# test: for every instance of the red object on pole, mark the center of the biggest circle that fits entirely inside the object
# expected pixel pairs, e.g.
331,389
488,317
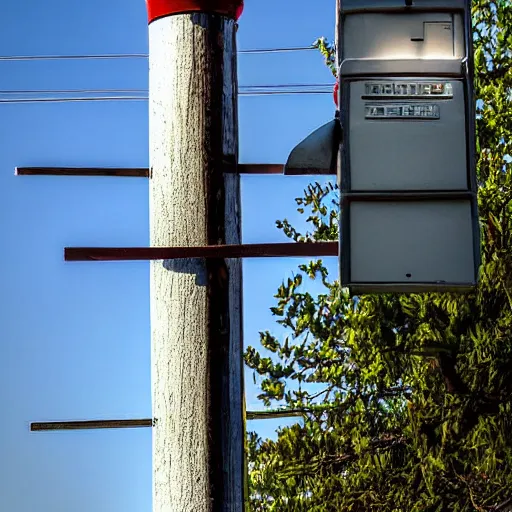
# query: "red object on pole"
336,93
239,9
161,8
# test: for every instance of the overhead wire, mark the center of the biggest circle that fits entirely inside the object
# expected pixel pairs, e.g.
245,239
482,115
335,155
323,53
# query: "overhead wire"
113,94
141,98
10,58
106,91
77,99
279,50
70,91
273,93
114,56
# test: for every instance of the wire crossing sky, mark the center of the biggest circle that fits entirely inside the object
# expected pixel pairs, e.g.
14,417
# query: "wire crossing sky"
10,58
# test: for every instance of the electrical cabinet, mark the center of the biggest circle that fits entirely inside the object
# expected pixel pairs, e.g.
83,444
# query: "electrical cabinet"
409,218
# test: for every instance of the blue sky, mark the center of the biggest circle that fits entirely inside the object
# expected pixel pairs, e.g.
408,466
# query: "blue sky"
74,338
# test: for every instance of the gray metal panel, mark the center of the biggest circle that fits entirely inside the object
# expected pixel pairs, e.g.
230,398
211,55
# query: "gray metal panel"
419,195
381,67
358,5
430,241
363,288
408,154
403,36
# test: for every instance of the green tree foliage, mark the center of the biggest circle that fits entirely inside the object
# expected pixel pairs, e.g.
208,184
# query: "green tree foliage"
412,401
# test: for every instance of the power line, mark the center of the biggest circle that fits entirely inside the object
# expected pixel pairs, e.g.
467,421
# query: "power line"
142,98
249,88
279,50
279,86
76,99
4,92
114,56
9,96
274,93
73,57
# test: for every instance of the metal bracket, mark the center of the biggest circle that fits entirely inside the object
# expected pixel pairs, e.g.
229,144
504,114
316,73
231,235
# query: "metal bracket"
317,153
314,249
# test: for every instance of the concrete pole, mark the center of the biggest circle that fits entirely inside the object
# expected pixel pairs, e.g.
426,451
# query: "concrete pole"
196,306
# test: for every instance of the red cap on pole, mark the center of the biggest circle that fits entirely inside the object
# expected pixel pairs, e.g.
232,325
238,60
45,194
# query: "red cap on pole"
335,93
160,8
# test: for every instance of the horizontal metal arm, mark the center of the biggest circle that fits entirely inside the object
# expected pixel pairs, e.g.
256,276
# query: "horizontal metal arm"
210,251
135,172
144,423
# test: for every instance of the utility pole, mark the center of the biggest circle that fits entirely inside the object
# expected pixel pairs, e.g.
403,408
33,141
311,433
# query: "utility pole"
196,305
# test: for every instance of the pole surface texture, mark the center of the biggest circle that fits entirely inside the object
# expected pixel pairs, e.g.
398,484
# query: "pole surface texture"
196,327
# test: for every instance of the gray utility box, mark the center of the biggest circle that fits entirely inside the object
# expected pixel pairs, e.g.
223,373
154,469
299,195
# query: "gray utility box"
390,124
409,219
409,244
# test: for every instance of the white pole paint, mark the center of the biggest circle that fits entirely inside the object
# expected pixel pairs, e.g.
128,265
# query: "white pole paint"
196,341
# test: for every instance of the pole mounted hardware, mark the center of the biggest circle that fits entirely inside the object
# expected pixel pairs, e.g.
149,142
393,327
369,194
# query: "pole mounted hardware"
404,148
316,249
136,172
160,8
